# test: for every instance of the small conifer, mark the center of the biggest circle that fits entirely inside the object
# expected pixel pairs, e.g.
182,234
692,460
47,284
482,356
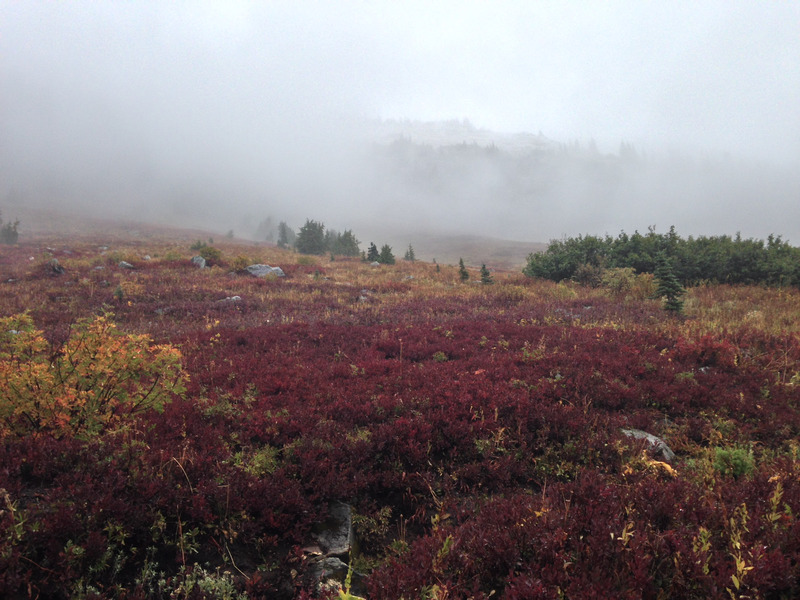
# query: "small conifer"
668,286
386,257
462,270
486,277
372,252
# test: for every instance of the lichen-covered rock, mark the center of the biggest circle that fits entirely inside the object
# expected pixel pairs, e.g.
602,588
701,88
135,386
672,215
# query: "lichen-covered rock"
199,262
265,271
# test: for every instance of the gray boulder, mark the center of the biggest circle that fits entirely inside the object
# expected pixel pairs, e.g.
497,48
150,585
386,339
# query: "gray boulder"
333,546
265,271
655,443
327,568
335,535
199,262
55,267
125,265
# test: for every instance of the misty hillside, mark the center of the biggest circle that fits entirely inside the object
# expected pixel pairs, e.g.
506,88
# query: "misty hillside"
417,182
525,122
453,177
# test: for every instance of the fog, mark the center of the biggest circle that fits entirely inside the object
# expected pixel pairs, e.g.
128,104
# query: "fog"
393,118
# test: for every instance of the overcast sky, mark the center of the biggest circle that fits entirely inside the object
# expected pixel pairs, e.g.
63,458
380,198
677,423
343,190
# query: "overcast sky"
182,84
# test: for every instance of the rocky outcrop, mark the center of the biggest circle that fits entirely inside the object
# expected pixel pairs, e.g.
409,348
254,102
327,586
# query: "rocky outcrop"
334,543
335,535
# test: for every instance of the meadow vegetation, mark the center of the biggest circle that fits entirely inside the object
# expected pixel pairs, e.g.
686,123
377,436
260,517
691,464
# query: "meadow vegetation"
176,432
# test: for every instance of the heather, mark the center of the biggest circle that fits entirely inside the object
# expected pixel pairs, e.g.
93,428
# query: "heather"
477,431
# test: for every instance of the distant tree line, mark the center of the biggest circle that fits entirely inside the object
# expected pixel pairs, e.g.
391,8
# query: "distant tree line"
314,238
384,256
718,259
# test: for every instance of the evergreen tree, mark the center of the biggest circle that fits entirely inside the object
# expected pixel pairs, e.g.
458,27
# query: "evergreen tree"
8,232
372,253
346,244
486,277
668,286
311,238
386,257
286,237
410,254
332,240
462,270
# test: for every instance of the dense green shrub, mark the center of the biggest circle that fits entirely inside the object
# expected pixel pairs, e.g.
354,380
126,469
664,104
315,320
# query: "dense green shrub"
736,462
210,253
722,259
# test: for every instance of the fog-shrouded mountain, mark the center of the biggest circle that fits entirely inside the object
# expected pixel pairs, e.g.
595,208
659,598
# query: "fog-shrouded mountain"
453,132
528,187
408,181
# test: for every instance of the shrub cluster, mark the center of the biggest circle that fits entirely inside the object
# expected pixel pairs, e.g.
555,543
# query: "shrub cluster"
721,259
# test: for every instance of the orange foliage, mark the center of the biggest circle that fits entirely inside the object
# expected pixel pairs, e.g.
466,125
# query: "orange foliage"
94,381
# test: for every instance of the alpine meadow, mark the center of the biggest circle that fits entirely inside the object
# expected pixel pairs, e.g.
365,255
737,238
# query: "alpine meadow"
419,300
172,431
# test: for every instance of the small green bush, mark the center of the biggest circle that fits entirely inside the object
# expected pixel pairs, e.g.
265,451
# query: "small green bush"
737,462
440,356
619,280
241,262
210,253
588,275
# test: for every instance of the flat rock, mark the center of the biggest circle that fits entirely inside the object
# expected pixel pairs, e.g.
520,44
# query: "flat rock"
260,270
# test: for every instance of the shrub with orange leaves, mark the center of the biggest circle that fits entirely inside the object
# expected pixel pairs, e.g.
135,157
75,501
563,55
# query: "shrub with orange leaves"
96,380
